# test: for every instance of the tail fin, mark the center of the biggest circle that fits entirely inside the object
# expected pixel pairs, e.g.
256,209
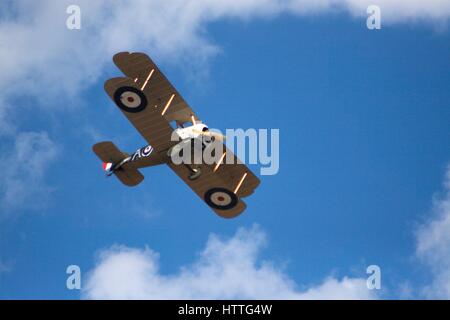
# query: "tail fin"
111,155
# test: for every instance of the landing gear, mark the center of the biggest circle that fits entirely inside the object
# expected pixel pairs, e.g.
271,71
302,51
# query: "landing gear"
195,173
177,151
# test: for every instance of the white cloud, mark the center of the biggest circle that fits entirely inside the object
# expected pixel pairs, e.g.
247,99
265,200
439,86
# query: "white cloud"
393,11
225,269
22,180
433,244
41,58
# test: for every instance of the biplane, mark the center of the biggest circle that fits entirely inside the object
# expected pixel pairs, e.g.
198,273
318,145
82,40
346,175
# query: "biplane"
158,112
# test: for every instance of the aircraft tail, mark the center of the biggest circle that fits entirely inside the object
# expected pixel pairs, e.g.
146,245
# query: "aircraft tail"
112,158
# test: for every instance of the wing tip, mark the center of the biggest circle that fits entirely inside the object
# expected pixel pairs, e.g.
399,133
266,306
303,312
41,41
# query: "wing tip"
232,213
119,57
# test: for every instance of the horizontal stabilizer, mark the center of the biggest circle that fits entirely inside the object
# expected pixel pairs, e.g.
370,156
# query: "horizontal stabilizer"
111,155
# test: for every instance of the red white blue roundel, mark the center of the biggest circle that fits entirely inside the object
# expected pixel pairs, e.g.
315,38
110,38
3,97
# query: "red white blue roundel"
130,99
221,198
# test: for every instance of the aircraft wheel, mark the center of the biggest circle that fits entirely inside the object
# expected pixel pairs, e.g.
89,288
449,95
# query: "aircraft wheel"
196,173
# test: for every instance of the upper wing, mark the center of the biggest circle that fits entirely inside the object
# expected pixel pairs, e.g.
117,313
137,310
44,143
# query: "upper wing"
146,117
147,98
155,85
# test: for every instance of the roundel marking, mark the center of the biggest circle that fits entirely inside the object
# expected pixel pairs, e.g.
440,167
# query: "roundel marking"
130,99
221,198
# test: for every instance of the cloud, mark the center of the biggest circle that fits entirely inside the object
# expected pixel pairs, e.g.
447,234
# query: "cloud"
433,244
225,269
22,182
234,267
40,57
392,11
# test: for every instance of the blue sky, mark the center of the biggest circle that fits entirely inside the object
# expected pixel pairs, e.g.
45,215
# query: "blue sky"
364,131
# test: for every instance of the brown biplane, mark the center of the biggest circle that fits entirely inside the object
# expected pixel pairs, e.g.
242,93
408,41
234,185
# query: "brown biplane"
158,112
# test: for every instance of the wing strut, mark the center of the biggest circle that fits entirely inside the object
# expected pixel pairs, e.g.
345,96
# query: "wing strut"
240,183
